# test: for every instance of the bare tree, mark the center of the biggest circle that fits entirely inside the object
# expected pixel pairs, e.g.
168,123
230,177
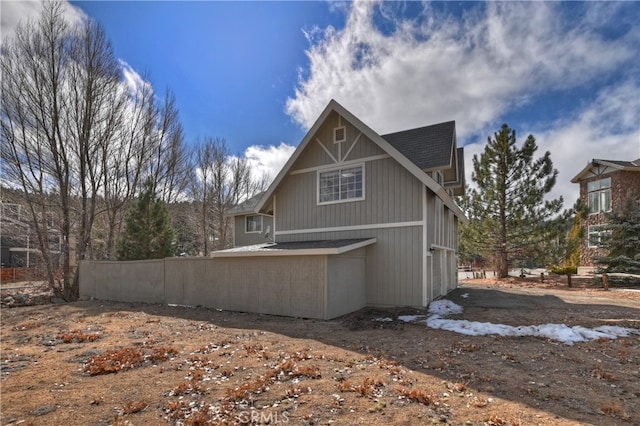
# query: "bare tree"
62,106
34,151
125,159
219,181
201,185
170,164
95,111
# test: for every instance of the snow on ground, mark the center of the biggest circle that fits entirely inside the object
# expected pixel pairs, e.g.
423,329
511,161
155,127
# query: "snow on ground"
560,332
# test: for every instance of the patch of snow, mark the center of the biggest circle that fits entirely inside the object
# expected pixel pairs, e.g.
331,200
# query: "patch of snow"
385,319
464,296
559,332
444,307
410,318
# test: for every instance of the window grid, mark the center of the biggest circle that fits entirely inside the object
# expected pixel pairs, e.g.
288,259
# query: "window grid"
596,233
599,195
340,185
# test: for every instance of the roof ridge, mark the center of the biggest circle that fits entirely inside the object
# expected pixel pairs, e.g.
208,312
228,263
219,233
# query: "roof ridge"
419,128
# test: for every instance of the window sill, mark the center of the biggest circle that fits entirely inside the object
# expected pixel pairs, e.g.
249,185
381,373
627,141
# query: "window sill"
350,200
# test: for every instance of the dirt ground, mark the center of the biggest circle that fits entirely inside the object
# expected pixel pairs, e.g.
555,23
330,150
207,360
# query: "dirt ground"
103,363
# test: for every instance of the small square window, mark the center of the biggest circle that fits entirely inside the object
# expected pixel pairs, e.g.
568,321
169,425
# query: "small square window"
253,224
339,134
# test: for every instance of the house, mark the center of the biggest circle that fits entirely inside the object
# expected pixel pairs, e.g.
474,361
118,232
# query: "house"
605,185
379,209
250,227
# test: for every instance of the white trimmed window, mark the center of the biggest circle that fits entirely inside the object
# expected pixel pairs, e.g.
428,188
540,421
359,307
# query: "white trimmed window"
599,195
253,224
340,185
596,233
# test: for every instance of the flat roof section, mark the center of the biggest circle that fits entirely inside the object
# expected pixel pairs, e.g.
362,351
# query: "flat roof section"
297,248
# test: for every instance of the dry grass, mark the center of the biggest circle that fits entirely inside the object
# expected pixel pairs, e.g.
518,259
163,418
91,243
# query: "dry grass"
199,366
116,360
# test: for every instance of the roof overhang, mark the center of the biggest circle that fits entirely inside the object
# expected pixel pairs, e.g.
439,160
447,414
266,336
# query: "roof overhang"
303,248
584,173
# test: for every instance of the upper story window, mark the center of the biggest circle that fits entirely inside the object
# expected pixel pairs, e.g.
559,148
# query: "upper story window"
253,224
339,185
599,195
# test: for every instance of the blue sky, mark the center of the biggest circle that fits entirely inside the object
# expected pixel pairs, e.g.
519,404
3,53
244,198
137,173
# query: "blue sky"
259,73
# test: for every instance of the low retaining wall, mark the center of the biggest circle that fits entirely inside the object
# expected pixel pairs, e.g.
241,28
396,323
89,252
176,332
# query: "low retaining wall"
322,287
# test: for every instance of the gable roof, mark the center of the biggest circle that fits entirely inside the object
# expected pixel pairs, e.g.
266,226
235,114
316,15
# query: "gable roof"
633,166
393,152
246,207
439,138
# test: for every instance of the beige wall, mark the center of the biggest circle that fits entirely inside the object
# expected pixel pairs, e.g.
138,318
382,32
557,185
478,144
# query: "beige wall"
320,286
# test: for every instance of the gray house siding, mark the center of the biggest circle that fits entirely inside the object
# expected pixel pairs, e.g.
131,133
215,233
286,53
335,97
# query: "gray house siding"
346,278
243,238
391,193
392,212
393,265
410,214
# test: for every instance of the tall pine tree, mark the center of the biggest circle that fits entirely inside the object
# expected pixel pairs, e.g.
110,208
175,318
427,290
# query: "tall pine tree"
509,216
148,233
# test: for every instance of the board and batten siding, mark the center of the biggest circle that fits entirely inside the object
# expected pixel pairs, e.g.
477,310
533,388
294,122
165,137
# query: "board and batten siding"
391,194
322,151
393,264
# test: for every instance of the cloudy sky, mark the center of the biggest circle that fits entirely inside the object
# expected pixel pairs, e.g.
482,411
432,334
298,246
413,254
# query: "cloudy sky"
258,74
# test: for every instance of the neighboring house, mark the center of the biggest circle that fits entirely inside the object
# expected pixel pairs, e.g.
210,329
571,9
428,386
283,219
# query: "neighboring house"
250,227
605,185
19,241
349,193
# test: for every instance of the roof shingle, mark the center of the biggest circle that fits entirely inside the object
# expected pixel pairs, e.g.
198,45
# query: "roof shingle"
428,147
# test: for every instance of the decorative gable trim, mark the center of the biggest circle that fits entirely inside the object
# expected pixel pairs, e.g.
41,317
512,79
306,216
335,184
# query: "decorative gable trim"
326,150
601,167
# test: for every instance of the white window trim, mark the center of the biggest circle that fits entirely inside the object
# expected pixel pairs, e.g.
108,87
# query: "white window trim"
600,232
335,131
261,224
333,169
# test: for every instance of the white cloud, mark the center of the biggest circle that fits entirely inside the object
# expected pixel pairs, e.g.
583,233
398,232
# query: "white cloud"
471,69
15,12
268,160
496,58
133,82
609,128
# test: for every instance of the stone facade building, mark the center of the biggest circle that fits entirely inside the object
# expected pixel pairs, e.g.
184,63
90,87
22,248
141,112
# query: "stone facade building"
605,186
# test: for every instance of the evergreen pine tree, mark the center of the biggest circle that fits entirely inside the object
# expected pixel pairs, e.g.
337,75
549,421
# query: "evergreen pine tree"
148,233
509,216
623,240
